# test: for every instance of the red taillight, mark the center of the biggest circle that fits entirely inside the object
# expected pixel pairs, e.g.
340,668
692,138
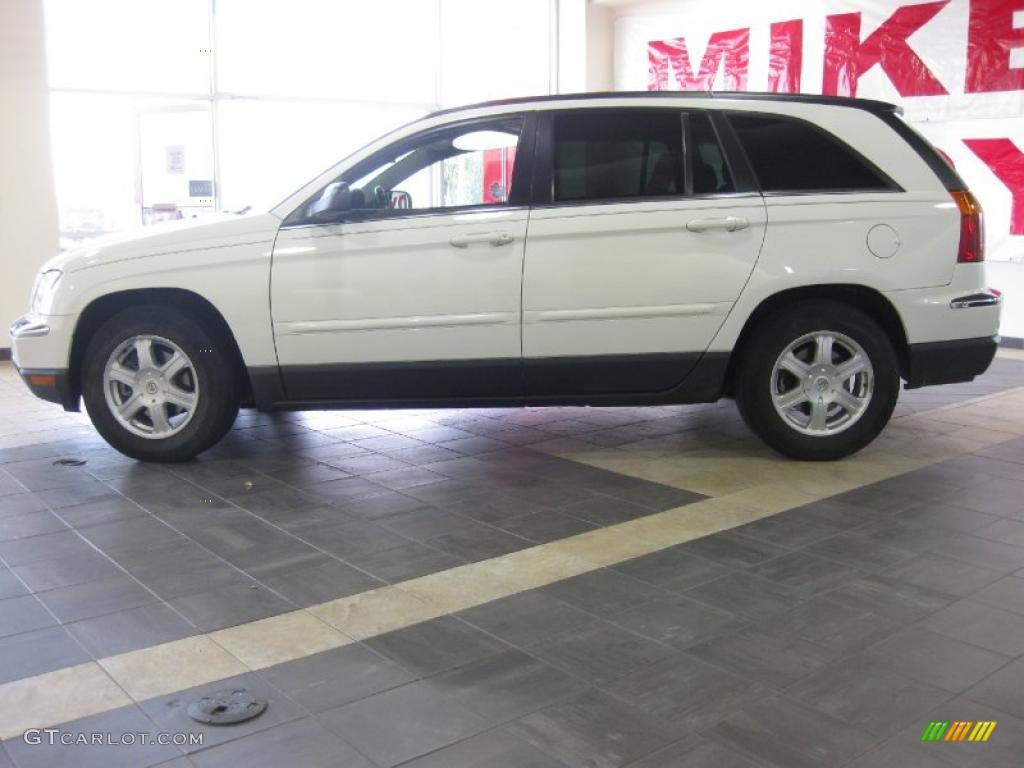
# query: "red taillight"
972,232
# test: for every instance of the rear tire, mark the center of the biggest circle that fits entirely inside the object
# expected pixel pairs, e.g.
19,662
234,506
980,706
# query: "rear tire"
818,381
158,386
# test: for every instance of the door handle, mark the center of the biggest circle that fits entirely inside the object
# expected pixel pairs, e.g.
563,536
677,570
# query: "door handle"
492,238
728,224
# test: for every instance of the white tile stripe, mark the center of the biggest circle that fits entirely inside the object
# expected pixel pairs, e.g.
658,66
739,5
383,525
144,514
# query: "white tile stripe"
94,687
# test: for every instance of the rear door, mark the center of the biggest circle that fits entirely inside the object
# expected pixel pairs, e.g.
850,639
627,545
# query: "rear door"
640,240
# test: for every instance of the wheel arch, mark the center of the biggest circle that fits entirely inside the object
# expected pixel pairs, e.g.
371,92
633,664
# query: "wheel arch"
868,300
102,308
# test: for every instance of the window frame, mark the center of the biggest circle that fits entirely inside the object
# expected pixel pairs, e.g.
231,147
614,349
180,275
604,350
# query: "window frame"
519,189
544,158
890,185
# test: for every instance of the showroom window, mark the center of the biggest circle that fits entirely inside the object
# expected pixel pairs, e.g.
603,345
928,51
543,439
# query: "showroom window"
224,105
794,156
613,154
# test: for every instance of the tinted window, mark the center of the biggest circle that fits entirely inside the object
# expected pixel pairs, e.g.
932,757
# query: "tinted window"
600,155
791,155
710,171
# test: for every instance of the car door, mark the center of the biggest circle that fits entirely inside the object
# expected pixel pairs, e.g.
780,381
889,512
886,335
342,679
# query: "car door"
402,279
641,239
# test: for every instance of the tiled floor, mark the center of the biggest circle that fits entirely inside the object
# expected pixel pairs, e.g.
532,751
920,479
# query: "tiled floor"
535,587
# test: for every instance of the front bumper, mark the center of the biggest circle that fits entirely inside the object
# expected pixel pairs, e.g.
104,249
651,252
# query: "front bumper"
949,362
39,351
51,384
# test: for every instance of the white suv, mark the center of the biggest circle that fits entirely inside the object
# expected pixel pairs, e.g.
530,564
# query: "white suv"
802,254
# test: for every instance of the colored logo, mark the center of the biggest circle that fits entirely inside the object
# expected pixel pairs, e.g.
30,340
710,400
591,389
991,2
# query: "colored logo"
959,730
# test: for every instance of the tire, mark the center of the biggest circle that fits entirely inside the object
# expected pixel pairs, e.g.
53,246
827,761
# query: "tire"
185,364
817,422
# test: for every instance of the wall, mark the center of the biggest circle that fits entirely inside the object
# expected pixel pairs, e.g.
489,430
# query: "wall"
942,44
28,210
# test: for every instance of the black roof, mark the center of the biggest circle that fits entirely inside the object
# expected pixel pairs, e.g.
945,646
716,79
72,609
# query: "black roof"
870,105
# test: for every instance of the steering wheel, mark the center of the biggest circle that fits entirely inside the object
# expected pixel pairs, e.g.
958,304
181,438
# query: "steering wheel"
381,197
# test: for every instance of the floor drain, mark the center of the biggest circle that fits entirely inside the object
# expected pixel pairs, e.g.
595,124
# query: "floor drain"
232,705
69,463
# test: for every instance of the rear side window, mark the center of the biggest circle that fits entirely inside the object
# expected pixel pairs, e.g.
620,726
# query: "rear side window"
795,156
602,155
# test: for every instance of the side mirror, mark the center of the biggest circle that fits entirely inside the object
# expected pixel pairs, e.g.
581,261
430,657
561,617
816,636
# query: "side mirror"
333,202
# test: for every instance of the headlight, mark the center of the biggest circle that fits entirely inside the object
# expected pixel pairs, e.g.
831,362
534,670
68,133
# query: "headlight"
42,293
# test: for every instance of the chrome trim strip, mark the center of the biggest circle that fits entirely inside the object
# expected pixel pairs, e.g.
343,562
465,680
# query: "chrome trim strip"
303,327
984,299
23,328
619,313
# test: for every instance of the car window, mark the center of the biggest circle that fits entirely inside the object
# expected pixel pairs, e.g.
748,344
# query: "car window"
467,165
794,156
710,171
602,155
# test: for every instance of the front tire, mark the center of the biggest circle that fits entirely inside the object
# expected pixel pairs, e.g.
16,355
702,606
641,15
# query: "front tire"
158,386
819,381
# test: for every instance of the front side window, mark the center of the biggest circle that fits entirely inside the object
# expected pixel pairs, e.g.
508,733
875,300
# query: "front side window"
794,156
462,166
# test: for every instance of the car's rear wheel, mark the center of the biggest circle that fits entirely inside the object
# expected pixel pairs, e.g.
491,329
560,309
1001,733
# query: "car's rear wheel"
158,386
818,381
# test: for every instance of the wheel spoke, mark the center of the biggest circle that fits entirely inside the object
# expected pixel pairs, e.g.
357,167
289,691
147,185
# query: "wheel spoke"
823,349
130,407
144,351
174,366
852,367
158,415
848,401
794,365
123,375
790,399
819,415
179,397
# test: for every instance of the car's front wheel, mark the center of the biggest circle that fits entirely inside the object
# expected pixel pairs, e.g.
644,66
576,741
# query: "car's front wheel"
157,385
819,381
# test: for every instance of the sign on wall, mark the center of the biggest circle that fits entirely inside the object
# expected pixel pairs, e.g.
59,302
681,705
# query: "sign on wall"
955,66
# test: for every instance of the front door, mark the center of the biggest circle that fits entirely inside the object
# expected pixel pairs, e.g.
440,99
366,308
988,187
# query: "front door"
638,254
402,279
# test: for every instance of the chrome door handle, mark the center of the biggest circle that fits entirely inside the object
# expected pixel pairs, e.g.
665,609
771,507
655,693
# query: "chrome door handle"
491,238
728,224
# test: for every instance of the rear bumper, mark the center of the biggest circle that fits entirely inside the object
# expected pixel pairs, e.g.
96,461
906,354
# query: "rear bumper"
949,362
51,384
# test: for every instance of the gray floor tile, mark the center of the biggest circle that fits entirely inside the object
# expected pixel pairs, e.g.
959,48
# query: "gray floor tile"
1007,593
603,592
791,531
10,585
131,629
345,540
29,524
478,542
592,729
943,574
806,574
684,694
136,534
695,752
230,606
1003,690
105,510
422,523
170,713
23,614
936,659
832,624
84,601
41,650
492,749
121,725
748,596
542,527
436,645
181,570
677,621
47,546
733,550
336,677
507,685
938,515
673,569
301,743
869,696
600,652
894,754
771,659
403,723
407,561
321,582
887,597
606,510
858,551
526,618
790,735
980,624
88,565
992,555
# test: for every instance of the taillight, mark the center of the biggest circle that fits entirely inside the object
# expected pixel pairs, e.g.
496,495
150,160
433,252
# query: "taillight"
972,232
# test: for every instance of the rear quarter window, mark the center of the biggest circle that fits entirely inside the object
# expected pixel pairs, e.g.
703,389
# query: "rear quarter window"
790,155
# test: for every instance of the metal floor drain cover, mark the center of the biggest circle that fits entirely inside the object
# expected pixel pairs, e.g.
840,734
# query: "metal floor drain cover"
69,463
232,705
